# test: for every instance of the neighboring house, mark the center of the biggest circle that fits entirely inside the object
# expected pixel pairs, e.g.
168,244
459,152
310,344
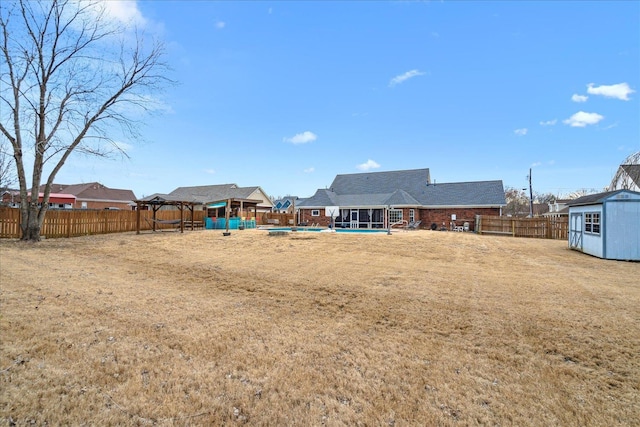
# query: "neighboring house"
210,197
94,195
628,175
286,204
56,201
381,199
558,208
606,225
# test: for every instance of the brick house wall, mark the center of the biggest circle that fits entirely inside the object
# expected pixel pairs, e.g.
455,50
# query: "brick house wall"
305,217
440,217
122,205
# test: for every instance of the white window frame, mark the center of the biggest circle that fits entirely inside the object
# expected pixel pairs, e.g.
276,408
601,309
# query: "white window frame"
592,223
315,212
395,215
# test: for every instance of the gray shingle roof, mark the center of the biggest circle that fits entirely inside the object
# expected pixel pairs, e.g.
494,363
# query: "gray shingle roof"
321,198
381,182
633,171
598,198
210,193
405,188
478,193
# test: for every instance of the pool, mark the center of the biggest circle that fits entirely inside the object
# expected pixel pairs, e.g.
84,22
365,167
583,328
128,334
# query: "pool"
337,230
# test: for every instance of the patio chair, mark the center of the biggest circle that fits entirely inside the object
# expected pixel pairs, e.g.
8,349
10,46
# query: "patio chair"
413,225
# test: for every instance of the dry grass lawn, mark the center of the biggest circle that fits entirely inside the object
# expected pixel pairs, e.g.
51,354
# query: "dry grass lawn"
417,328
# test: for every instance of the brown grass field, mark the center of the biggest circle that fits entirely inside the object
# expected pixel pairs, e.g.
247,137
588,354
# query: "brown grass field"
418,328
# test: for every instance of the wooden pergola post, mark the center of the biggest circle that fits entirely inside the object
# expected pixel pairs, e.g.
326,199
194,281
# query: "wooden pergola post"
137,217
226,217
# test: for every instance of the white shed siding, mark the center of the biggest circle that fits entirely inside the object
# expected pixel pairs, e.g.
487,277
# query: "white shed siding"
623,230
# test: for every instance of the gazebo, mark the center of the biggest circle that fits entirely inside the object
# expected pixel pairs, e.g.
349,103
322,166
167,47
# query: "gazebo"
157,201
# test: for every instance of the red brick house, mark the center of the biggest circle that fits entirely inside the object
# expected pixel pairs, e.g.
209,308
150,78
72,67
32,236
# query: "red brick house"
79,196
378,199
11,198
94,195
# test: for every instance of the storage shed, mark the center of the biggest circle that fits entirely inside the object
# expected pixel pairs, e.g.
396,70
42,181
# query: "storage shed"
606,225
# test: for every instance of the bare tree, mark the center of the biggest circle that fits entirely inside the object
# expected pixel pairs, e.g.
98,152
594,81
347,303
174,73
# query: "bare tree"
69,79
517,202
7,170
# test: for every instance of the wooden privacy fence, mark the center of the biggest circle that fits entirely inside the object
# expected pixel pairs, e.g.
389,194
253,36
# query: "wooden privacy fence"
81,222
273,218
541,227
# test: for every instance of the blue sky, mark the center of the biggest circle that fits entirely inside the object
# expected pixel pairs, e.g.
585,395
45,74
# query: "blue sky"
286,95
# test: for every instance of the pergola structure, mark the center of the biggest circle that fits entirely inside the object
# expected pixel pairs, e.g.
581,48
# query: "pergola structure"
157,201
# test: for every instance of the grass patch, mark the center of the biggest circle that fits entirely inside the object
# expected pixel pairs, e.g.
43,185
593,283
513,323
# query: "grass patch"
420,328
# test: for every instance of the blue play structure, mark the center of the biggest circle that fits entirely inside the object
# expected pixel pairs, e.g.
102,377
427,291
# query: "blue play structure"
235,223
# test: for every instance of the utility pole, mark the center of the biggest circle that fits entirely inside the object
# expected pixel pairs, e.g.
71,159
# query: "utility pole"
530,196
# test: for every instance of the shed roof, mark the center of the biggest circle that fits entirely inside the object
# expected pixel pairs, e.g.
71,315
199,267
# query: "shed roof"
598,198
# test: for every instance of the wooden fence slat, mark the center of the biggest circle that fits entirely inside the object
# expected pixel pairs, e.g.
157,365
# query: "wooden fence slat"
81,222
539,227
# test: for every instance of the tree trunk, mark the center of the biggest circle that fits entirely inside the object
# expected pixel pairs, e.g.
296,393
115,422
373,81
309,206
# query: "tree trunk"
31,224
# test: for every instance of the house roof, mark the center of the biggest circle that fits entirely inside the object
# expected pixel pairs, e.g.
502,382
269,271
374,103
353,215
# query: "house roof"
598,198
212,193
381,182
405,188
93,191
473,193
285,202
633,172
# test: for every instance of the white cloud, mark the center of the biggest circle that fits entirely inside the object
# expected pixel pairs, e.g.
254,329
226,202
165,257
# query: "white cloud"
123,146
210,171
582,119
220,24
309,170
521,132
618,91
549,122
579,98
302,138
404,77
536,164
368,165
125,11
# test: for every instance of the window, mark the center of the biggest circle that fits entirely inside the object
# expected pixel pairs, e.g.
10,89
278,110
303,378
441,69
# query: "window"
395,215
412,215
592,222
315,212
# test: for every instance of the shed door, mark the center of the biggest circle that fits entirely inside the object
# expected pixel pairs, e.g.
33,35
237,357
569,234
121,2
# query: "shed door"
575,231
